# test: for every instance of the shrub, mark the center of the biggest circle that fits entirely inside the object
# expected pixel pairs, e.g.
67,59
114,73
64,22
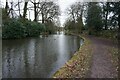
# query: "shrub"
18,29
50,27
33,29
109,33
13,29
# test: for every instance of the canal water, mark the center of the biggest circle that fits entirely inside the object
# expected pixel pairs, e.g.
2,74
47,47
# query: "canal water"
37,57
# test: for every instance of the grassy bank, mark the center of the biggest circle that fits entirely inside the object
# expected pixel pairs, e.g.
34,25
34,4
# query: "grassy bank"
78,65
114,55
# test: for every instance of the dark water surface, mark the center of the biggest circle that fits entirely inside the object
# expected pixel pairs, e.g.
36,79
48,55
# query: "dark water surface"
37,57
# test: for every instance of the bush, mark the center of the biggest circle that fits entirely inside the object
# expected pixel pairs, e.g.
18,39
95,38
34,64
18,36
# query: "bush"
33,29
109,33
112,34
13,29
18,29
50,27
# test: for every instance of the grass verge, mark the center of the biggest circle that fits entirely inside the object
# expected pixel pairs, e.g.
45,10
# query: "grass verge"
114,55
78,65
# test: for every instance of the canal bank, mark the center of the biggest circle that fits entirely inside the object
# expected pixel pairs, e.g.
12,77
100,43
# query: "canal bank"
79,64
97,58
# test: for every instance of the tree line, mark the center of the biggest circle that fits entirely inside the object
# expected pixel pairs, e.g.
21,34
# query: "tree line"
46,16
100,18
96,18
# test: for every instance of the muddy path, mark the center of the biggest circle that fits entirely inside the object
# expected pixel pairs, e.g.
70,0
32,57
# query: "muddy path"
101,65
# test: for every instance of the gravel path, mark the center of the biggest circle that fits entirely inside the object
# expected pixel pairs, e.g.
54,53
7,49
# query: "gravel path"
101,65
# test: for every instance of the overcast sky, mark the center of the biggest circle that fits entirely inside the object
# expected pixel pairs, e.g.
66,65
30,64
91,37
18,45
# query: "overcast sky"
63,5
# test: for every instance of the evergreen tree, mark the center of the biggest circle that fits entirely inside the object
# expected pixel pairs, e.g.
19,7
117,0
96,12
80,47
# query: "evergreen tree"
94,18
79,24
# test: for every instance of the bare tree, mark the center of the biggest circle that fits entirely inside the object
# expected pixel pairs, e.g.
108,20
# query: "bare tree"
19,8
11,10
35,8
18,5
75,12
49,11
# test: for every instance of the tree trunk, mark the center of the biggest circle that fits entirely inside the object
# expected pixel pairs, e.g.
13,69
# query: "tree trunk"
25,10
35,12
106,20
43,21
119,21
106,16
6,8
19,8
11,10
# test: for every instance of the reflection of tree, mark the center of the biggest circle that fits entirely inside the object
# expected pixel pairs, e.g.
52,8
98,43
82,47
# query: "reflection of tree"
11,55
39,61
9,65
44,58
26,66
29,58
78,42
47,56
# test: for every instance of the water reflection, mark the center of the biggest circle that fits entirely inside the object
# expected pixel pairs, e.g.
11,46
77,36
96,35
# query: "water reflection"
37,57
